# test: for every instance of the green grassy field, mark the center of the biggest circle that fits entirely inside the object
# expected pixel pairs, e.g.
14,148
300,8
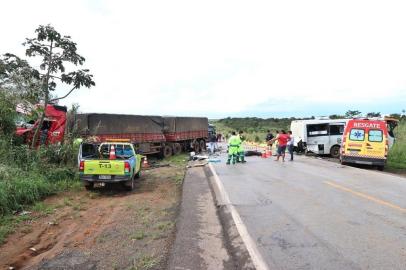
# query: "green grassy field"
397,154
255,129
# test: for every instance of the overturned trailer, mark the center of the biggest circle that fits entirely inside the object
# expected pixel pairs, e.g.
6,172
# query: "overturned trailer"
149,134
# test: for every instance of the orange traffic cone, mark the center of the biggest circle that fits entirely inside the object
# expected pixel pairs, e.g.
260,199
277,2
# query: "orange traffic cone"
268,153
264,154
145,163
112,154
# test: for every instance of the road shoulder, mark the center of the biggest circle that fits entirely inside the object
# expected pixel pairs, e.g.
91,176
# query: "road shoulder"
201,241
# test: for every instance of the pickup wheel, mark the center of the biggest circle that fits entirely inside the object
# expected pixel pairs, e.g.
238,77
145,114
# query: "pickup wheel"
129,185
89,185
177,148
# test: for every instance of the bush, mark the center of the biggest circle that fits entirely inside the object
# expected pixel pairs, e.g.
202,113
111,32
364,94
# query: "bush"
7,114
28,175
397,154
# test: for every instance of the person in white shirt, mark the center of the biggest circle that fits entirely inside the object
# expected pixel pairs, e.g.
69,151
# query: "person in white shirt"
290,145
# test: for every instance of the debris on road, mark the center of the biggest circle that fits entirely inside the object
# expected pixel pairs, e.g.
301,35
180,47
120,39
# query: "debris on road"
23,213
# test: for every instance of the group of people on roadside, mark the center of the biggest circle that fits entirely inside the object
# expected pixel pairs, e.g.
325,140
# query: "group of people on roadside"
285,141
236,152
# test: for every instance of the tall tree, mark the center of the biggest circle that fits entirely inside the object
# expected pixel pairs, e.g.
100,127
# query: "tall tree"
18,79
351,114
373,114
56,50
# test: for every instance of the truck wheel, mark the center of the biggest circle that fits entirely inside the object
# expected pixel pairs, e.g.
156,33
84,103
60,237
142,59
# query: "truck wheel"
335,151
167,151
89,185
196,147
177,148
202,145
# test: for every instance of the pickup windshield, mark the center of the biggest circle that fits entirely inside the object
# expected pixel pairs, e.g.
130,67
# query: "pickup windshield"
123,151
93,151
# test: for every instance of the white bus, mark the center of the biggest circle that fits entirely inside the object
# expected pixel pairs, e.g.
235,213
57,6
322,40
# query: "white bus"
318,136
323,136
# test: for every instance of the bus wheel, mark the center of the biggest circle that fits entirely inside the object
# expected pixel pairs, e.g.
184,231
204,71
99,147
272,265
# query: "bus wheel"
177,148
335,151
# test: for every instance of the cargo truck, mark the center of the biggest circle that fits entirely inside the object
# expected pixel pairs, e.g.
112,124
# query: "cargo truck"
149,134
52,130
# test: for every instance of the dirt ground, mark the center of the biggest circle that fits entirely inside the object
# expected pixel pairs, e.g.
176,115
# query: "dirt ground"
108,228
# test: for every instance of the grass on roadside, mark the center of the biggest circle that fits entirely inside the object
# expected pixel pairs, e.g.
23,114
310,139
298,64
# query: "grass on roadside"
397,154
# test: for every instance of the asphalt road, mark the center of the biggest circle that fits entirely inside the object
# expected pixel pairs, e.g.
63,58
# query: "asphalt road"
315,214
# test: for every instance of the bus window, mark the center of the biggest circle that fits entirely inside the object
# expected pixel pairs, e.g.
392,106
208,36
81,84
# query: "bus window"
317,130
336,129
357,134
375,135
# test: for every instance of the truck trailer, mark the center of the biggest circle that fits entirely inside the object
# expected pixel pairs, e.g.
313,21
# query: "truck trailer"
150,134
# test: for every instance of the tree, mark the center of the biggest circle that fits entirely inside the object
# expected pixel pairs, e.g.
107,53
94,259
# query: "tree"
19,79
56,50
336,116
373,114
7,114
352,114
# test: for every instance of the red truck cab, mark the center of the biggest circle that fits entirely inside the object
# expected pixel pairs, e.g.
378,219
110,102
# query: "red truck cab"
53,127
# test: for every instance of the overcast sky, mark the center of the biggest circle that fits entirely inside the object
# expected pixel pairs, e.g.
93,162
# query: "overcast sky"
227,58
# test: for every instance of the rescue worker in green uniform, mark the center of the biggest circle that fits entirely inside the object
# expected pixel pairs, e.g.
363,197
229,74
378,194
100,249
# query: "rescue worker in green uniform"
241,152
233,144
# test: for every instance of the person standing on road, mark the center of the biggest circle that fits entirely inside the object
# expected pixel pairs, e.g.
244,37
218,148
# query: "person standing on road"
241,152
233,144
282,139
290,144
269,137
212,143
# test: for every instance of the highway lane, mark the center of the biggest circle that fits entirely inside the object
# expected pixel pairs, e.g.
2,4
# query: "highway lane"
315,214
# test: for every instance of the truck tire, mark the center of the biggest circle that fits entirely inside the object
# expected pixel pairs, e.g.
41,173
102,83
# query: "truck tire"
335,151
196,147
88,185
177,148
202,145
167,151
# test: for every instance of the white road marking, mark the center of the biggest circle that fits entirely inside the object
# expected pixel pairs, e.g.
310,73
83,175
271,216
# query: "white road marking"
256,256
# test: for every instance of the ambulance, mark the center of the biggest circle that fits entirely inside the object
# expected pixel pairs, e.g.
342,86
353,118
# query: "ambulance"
365,142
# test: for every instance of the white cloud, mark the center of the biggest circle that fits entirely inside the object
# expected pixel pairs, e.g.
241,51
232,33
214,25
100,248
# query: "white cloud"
225,57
